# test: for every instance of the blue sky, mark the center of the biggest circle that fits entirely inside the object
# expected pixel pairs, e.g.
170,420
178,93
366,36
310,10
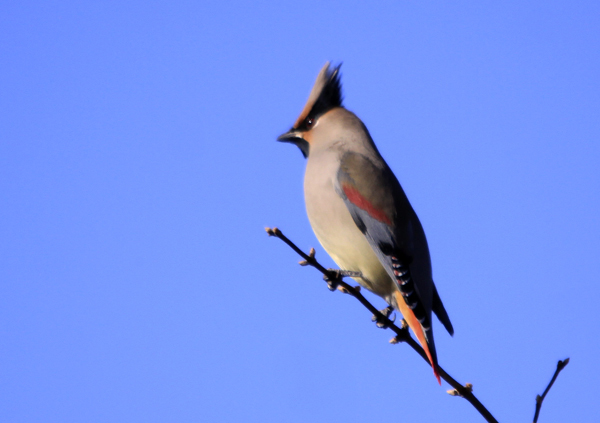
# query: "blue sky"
138,169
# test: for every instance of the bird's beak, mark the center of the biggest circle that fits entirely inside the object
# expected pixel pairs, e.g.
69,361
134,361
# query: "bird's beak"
290,136
297,138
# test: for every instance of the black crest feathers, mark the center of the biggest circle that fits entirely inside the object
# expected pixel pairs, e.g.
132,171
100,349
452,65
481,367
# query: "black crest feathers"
325,95
331,94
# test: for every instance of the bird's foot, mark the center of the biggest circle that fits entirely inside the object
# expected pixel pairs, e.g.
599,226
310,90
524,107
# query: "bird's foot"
384,323
335,276
350,273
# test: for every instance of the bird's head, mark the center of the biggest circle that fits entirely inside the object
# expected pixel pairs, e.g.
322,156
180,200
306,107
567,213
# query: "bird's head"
325,95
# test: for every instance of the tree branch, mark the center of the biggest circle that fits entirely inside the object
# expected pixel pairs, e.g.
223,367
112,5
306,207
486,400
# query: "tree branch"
540,399
402,334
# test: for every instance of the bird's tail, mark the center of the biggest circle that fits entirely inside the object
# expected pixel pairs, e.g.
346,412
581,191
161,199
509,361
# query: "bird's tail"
425,341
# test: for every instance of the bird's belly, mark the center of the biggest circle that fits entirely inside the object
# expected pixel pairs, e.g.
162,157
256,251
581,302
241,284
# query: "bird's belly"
344,242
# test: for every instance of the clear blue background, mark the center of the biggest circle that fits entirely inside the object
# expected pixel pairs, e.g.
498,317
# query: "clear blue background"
138,169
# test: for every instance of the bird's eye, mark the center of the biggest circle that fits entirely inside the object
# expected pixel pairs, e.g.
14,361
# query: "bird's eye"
309,122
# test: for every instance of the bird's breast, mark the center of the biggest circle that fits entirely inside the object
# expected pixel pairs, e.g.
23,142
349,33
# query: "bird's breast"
335,229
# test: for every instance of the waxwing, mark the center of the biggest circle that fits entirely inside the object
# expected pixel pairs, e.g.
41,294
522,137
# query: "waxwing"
360,213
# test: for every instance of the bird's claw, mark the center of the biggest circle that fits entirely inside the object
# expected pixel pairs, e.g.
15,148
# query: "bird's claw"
333,278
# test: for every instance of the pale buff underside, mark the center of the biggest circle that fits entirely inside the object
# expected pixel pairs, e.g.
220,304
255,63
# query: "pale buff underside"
335,229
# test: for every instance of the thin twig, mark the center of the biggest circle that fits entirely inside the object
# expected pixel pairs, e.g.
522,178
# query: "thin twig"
540,399
402,333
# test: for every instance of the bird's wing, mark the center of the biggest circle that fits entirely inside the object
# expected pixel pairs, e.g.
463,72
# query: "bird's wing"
381,211
440,311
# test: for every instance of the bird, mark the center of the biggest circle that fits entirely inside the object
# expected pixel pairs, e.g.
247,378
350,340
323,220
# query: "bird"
359,212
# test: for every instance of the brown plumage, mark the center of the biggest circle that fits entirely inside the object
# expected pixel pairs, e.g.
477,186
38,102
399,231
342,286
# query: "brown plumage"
359,212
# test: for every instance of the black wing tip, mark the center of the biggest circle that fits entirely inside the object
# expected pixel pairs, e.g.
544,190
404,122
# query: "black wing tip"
449,328
440,311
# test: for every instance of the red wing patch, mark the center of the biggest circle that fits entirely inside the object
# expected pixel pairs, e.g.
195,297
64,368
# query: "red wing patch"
364,204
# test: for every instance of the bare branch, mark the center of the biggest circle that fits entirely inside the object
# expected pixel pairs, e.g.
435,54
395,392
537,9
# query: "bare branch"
540,399
334,280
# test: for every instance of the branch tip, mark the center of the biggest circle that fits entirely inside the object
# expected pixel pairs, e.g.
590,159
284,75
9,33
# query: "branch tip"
273,232
539,399
334,281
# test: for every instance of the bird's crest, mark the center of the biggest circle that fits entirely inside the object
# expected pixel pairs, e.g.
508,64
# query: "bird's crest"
325,94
